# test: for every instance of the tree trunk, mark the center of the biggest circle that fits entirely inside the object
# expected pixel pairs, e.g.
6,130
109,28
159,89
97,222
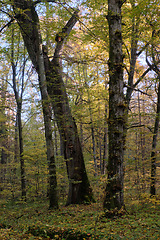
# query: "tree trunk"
154,144
18,98
16,140
79,187
47,115
92,132
19,124
3,134
19,119
114,190
105,151
3,125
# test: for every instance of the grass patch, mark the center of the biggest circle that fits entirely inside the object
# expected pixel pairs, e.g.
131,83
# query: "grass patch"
34,220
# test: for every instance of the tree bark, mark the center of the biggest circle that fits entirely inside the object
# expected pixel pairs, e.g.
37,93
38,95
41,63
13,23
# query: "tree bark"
79,187
92,132
155,67
3,125
105,151
116,123
154,144
18,98
47,115
3,134
39,65
23,178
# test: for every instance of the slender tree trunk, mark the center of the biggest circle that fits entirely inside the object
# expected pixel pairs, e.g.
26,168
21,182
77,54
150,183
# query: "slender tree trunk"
92,133
16,140
91,124
105,152
155,67
3,126
53,195
20,137
114,190
19,124
47,115
3,134
141,138
18,98
23,180
154,144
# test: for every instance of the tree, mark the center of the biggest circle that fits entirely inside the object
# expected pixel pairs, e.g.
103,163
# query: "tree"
154,143
27,18
19,98
47,114
155,66
116,122
3,125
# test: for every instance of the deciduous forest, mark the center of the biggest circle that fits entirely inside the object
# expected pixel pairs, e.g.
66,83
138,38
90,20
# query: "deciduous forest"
79,119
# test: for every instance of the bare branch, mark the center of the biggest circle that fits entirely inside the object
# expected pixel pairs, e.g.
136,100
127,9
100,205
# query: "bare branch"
140,125
7,25
6,13
143,48
154,65
40,1
138,90
136,125
142,76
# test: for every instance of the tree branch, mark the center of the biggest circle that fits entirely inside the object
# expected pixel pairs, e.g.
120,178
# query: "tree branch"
62,36
154,65
40,1
138,90
7,25
135,126
142,76
143,48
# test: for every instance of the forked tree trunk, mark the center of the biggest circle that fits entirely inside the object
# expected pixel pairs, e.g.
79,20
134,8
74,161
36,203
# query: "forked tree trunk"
114,190
18,98
79,187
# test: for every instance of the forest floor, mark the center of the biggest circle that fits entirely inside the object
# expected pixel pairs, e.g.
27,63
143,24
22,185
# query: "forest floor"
35,221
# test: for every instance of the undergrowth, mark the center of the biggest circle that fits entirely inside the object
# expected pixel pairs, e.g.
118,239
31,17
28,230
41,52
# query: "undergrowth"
34,220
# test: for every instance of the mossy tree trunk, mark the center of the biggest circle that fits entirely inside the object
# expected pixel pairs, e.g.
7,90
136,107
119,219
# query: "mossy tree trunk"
116,123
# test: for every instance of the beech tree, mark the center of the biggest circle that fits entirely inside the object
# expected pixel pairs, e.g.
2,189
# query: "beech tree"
116,122
27,18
